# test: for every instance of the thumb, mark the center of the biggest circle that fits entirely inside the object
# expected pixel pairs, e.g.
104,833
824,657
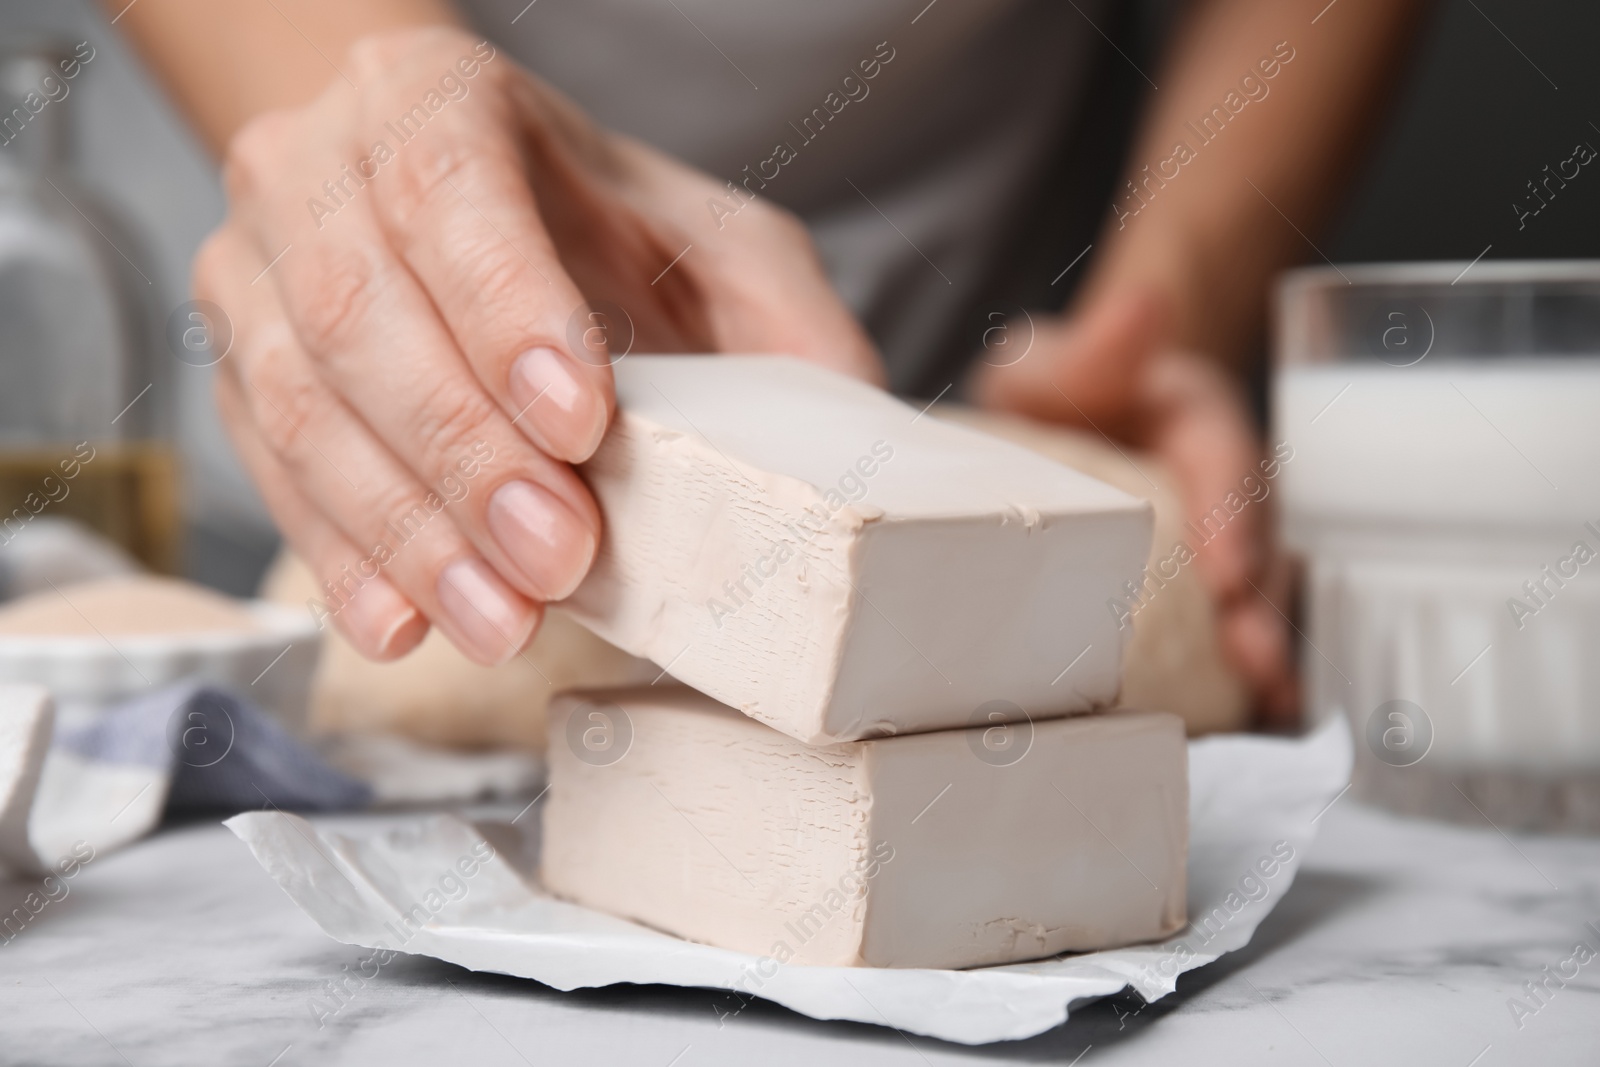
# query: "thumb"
766,291
754,273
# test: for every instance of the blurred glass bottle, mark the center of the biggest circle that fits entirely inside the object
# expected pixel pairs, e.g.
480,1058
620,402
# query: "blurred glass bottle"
84,424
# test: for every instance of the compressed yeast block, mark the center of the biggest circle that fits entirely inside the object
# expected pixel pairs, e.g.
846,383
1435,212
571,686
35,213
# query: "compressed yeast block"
951,849
810,550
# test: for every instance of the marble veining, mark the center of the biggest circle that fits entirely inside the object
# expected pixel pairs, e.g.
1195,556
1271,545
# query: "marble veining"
1401,942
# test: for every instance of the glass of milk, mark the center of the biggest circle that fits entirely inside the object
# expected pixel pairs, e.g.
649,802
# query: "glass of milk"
1444,492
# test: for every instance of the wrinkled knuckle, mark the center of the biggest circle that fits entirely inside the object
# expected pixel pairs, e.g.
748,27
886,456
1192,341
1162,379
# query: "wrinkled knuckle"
454,420
430,167
404,506
340,289
255,154
500,287
282,405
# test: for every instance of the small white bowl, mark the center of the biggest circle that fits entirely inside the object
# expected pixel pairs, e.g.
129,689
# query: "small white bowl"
270,665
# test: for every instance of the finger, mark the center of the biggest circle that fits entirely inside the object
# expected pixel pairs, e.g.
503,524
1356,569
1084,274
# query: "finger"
1278,681
457,205
356,309
371,613
423,554
1255,640
1194,420
1198,424
783,302
319,446
755,278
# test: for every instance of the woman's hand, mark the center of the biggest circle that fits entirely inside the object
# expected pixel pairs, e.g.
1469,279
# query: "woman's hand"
428,272
1110,370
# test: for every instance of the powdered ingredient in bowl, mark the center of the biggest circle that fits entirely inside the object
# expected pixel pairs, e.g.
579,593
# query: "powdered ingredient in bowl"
126,605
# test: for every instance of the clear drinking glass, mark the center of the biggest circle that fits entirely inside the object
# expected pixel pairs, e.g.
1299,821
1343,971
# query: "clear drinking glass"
83,401
1445,494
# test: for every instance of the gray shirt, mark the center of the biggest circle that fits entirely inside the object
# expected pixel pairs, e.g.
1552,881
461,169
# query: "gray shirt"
949,160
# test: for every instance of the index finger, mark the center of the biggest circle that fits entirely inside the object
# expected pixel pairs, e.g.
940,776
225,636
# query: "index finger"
1199,427
459,209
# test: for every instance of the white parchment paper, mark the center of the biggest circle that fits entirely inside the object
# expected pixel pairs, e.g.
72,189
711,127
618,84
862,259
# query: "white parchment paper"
1253,806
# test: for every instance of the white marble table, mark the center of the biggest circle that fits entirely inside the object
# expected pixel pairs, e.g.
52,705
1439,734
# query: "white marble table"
1399,943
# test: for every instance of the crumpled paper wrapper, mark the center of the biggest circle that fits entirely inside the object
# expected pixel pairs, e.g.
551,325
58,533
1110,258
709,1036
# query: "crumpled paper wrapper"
453,890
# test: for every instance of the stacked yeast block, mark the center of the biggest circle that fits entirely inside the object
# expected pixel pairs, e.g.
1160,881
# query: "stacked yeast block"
810,550
923,850
905,612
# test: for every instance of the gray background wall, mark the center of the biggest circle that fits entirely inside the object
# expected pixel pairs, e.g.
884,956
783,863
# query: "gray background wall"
1476,121
1497,89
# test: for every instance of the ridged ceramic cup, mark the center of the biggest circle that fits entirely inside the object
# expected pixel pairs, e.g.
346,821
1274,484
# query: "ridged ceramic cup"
1444,491
270,664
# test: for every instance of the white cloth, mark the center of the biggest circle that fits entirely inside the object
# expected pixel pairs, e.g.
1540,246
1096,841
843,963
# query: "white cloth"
190,747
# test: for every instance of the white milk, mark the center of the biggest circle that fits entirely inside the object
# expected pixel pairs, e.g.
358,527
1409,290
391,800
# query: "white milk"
1429,502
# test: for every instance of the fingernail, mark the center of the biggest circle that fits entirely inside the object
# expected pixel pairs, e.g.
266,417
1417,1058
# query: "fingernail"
492,620
543,536
562,412
381,623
